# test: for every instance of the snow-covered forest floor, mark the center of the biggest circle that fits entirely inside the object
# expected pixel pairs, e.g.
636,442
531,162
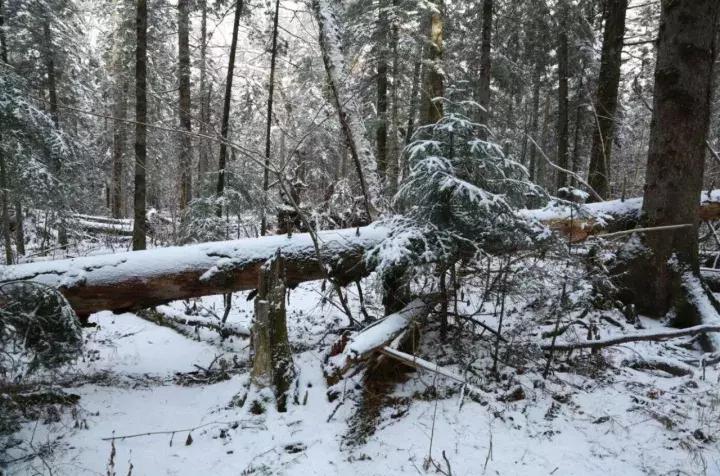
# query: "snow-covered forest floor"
594,414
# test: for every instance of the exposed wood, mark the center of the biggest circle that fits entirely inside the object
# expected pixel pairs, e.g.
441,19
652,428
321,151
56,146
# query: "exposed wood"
137,280
272,357
381,333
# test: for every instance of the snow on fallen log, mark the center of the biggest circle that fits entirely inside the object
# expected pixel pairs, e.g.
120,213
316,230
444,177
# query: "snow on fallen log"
376,336
582,221
140,279
653,335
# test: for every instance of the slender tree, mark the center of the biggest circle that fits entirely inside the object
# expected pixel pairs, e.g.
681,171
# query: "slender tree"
662,277
563,148
483,91
607,96
433,82
222,163
268,122
184,102
381,131
203,149
140,225
121,85
7,237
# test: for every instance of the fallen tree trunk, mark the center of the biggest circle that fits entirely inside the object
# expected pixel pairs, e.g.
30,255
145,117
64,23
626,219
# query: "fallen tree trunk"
381,333
580,222
140,279
636,337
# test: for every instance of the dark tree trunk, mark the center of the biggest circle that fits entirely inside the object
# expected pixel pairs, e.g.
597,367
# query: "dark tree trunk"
433,83
19,228
381,132
393,169
268,123
184,103
579,124
563,150
7,237
140,225
222,163
412,110
607,96
120,92
534,121
483,92
676,157
7,240
203,160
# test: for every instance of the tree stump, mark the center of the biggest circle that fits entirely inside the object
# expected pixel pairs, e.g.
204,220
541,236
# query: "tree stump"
272,358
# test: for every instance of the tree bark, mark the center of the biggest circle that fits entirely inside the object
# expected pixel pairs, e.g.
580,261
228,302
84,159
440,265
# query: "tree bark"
483,92
120,92
563,150
393,168
268,122
348,110
412,110
676,157
7,237
534,123
222,163
381,131
433,87
19,227
184,105
272,357
203,160
140,279
140,225
607,96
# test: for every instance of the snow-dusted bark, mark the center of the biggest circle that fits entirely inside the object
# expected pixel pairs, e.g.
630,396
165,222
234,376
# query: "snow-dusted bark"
140,279
347,107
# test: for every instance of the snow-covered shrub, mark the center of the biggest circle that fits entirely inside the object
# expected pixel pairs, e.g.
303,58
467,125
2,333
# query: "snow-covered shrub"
460,197
38,330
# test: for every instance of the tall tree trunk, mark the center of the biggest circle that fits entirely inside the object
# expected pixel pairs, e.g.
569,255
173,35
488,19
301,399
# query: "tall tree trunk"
534,126
381,131
393,171
412,109
563,119
203,160
7,239
348,110
676,157
607,96
483,92
120,91
19,227
184,103
268,123
579,121
433,87
54,111
140,225
222,163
